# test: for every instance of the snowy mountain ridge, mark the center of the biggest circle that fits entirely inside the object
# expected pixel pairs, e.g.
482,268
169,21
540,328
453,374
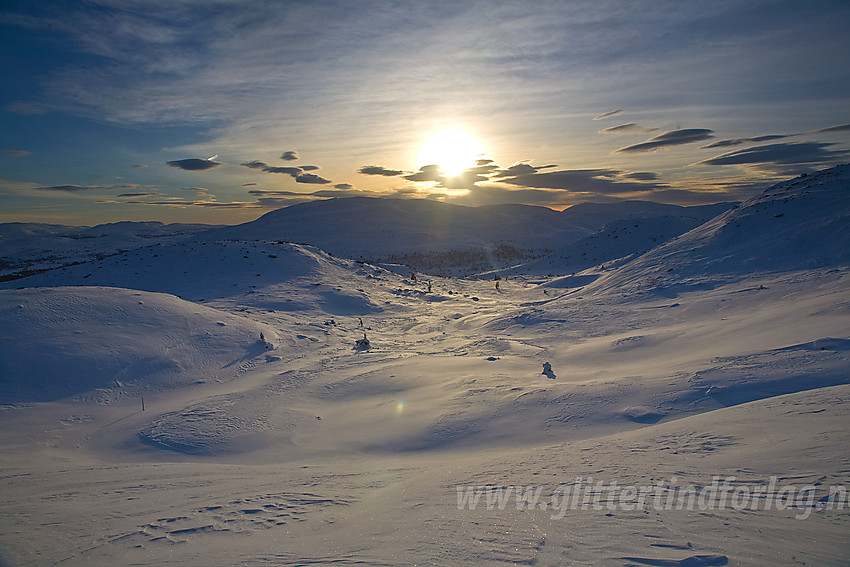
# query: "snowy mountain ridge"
799,224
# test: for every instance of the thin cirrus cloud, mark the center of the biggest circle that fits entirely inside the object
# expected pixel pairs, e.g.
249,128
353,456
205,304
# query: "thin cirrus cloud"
630,128
771,137
602,181
739,141
194,164
16,153
672,138
608,115
783,154
81,188
68,188
519,169
137,195
842,128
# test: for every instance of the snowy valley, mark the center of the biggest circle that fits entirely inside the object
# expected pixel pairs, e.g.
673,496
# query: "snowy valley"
201,399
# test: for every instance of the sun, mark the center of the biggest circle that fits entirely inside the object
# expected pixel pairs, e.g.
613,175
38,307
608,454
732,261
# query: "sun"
453,150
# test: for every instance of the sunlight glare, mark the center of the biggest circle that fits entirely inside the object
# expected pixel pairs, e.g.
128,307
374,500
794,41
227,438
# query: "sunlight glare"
453,150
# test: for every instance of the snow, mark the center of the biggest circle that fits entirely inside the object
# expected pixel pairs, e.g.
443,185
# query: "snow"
31,247
301,448
458,240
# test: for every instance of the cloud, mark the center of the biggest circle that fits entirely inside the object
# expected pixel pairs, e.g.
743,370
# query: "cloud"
630,128
311,178
608,115
379,170
604,181
69,188
784,154
27,108
344,186
739,141
520,169
79,188
293,171
275,193
249,184
16,153
289,155
426,173
137,194
842,128
140,165
207,204
194,164
483,168
254,164
642,176
672,138
771,137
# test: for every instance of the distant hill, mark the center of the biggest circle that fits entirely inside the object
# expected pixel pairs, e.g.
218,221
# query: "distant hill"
435,236
30,247
375,228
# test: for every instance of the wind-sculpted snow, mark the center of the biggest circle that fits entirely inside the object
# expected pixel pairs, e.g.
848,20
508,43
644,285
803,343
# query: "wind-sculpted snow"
61,342
800,224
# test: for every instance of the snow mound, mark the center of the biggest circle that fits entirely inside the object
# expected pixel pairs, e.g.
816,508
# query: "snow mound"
800,224
221,425
201,271
106,342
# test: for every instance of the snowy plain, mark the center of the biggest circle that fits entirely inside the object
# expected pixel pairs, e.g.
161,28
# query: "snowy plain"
268,438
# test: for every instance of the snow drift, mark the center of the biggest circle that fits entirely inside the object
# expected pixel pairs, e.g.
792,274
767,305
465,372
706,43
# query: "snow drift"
61,342
800,224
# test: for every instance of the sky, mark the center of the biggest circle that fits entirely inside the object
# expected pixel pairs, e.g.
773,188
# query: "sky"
218,111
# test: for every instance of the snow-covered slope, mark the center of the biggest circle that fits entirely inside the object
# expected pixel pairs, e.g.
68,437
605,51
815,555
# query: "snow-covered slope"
800,224
28,247
243,272
594,216
101,342
615,241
